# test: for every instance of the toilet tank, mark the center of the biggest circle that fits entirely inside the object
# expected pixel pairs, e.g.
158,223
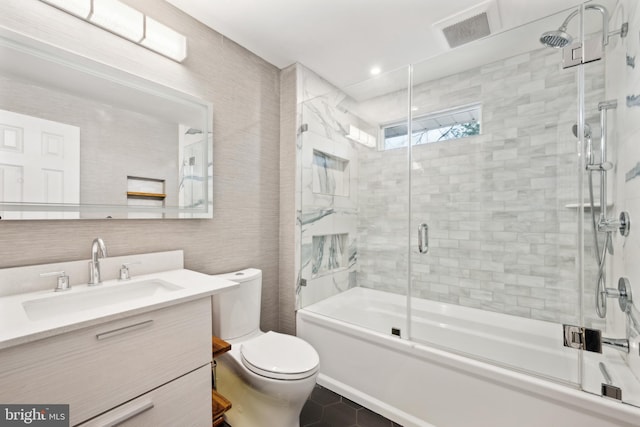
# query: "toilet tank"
236,312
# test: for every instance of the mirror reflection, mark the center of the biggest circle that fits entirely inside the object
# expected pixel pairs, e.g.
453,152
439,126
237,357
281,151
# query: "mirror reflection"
81,140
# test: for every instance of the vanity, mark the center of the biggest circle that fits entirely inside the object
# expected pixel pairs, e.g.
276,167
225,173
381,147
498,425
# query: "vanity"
80,139
130,352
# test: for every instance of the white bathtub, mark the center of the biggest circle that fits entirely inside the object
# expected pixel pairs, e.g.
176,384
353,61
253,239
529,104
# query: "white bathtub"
420,384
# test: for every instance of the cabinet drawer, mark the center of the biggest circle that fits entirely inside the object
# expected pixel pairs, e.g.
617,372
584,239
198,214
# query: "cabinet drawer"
183,402
99,367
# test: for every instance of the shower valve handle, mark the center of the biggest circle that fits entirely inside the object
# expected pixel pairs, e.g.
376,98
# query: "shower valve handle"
622,224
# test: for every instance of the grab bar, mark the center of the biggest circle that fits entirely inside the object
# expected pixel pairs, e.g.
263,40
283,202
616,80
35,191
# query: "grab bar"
423,238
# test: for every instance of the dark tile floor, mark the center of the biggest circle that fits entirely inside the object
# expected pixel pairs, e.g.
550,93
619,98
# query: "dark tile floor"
325,408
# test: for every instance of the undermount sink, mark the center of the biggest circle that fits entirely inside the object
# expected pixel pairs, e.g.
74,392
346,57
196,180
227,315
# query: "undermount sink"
91,298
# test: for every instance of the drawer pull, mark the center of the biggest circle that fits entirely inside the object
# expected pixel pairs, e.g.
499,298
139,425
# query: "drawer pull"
132,413
124,330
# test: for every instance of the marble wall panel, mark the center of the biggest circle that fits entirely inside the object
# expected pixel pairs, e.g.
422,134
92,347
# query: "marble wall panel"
501,236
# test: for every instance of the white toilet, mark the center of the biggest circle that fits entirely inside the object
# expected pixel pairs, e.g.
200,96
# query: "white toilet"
266,376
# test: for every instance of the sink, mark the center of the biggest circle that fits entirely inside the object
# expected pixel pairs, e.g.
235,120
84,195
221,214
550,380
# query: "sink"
91,298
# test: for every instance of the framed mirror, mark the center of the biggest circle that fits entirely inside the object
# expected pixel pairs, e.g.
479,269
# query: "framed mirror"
79,139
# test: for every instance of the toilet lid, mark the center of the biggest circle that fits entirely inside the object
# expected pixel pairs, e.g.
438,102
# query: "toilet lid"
279,356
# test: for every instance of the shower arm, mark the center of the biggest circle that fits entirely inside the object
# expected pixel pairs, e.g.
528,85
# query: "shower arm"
605,21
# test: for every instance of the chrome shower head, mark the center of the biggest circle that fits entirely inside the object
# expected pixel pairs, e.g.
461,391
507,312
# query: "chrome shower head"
560,38
556,39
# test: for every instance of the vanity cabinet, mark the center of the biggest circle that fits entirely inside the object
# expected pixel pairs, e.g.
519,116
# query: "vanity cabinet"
160,358
182,402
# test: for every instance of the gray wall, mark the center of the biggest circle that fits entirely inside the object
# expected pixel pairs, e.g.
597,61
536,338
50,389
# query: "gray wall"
288,170
244,90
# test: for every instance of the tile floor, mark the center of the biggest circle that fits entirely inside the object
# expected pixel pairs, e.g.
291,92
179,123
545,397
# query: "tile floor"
325,408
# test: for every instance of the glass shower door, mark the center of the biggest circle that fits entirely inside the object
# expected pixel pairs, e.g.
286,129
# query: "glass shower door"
353,211
494,192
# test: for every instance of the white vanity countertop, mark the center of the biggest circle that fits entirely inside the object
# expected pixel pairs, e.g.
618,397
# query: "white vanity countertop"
17,328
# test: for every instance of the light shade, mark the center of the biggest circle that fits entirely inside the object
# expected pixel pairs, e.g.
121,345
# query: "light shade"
127,22
80,8
118,18
164,40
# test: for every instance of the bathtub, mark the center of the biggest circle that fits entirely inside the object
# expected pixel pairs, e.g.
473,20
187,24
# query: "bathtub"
444,377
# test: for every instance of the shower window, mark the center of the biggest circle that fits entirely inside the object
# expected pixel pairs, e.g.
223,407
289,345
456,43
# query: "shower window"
445,125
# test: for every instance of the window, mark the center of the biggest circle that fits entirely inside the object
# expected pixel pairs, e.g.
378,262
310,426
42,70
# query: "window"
440,126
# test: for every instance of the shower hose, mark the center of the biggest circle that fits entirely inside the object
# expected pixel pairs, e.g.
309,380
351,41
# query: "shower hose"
601,257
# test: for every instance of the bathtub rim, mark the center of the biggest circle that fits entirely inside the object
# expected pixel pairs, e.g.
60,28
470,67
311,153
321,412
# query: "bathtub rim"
539,388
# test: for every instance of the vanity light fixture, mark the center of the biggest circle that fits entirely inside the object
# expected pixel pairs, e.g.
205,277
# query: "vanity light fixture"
160,38
118,18
79,8
129,23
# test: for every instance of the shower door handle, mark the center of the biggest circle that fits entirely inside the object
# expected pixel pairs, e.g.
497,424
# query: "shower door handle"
423,238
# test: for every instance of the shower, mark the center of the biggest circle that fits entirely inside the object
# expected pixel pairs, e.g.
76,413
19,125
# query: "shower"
560,38
557,39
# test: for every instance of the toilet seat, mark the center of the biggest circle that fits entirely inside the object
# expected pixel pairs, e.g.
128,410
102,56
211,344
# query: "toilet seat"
279,356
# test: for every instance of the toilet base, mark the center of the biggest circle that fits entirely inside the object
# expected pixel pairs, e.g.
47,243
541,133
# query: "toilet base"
259,401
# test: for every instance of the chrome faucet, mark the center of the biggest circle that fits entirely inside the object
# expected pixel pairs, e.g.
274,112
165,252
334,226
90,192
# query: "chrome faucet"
98,249
620,344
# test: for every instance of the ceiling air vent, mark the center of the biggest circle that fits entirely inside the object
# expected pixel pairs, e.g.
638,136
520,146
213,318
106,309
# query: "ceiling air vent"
469,25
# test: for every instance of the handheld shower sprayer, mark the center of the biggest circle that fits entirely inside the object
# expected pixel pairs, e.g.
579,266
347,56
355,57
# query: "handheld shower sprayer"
590,158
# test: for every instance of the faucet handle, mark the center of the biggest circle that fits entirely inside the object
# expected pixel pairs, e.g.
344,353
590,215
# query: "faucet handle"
63,280
124,270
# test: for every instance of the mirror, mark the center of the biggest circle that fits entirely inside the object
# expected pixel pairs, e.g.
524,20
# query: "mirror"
79,139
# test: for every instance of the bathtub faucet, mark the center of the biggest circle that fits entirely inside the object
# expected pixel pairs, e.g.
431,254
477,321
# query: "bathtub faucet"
620,344
591,340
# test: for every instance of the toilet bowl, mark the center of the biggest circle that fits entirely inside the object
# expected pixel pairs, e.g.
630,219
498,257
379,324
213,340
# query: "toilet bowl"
267,376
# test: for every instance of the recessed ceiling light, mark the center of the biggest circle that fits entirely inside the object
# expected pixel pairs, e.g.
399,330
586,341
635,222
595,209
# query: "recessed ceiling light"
414,108
375,71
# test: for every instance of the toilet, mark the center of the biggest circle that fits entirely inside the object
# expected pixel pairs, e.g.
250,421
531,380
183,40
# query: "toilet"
267,376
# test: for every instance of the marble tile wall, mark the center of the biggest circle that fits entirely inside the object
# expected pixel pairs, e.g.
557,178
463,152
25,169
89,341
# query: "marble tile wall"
327,215
501,235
